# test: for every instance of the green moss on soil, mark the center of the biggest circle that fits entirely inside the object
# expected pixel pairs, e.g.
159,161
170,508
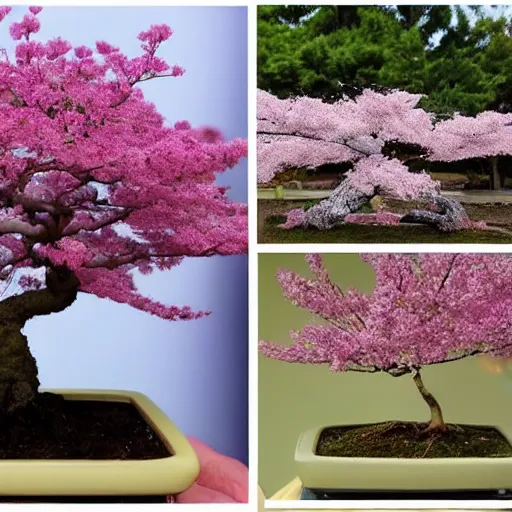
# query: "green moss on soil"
407,440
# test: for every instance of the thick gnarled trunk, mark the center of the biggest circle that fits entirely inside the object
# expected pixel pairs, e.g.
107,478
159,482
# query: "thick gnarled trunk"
330,212
449,215
18,370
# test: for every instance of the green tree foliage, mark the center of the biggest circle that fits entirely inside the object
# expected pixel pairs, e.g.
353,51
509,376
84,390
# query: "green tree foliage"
460,58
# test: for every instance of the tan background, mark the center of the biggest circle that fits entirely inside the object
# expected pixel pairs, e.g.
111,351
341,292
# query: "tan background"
295,397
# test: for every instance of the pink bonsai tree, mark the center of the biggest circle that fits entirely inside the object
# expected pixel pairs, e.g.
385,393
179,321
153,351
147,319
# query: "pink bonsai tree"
425,309
305,132
94,186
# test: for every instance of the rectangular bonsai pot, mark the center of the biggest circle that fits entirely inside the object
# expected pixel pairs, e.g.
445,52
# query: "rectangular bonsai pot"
169,475
355,474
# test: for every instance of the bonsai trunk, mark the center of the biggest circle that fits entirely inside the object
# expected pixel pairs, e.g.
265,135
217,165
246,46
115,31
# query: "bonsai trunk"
330,212
18,369
345,199
450,215
436,415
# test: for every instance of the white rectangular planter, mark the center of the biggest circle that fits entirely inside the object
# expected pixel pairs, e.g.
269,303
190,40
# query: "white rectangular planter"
154,477
394,474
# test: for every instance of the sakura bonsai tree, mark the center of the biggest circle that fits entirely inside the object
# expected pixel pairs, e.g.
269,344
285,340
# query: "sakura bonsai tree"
94,186
425,309
307,132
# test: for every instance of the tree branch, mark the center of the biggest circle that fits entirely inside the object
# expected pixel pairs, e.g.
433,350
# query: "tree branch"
23,228
113,262
100,223
60,292
450,268
317,139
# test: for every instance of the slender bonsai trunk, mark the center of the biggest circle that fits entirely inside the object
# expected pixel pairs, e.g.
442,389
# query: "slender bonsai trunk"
436,415
18,370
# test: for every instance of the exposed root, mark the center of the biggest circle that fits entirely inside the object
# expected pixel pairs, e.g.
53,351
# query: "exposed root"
429,446
435,428
385,427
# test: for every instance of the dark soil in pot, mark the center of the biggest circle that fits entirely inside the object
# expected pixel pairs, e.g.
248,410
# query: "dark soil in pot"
54,428
408,440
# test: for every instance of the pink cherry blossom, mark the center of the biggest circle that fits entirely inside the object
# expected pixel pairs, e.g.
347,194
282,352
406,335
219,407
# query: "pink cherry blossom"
425,309
487,134
4,11
306,133
383,218
35,9
295,218
91,177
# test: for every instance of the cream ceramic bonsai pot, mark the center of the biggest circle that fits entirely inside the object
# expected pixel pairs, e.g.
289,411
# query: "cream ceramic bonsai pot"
155,477
356,474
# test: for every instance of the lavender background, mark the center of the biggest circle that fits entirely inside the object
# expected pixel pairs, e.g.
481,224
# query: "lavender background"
197,371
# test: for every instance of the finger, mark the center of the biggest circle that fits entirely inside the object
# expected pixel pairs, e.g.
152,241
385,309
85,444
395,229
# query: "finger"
220,473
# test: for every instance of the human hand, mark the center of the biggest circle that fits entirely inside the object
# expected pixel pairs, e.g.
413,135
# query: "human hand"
221,479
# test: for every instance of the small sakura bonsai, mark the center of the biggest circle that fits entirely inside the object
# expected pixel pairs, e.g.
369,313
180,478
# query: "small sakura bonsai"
378,134
425,309
94,186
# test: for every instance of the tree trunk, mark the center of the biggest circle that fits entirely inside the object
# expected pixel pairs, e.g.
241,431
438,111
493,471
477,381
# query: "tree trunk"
330,212
495,178
18,370
451,215
436,415
345,199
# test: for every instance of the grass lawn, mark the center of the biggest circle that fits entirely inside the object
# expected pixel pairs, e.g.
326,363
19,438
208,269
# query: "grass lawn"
352,233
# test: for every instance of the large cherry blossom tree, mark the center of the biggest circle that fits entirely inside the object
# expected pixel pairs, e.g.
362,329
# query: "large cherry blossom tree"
425,309
307,132
94,186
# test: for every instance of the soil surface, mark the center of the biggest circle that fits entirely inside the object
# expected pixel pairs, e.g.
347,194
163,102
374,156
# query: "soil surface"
407,440
54,428
271,213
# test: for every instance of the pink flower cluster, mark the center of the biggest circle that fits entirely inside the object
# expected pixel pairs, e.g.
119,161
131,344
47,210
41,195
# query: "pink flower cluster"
294,219
307,133
379,174
381,217
488,134
425,309
91,177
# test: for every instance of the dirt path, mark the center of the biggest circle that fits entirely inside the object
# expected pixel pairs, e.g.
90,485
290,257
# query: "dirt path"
465,197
